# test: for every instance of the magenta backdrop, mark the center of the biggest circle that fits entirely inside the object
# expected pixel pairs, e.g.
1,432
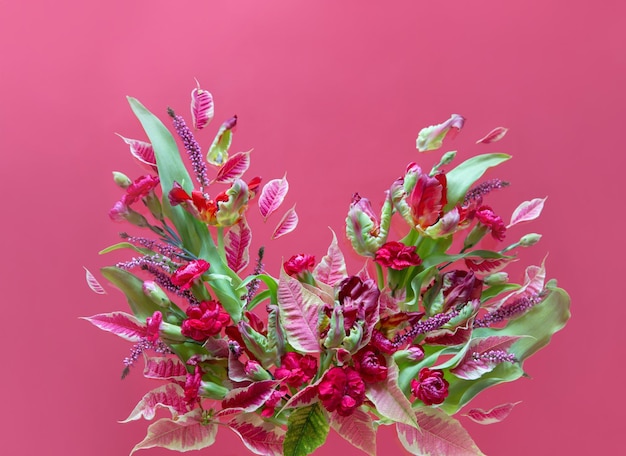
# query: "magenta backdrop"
334,94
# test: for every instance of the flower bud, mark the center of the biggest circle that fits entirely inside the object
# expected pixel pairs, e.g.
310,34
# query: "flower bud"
529,240
154,206
256,372
156,294
336,330
496,279
477,233
121,180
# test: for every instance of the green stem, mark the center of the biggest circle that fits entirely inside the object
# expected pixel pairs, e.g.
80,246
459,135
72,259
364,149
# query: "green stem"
220,243
381,277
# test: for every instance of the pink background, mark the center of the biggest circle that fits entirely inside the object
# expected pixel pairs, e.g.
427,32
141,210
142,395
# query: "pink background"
334,93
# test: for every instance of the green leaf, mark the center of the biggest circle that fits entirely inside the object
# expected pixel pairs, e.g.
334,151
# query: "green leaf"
461,178
126,245
307,429
496,290
142,306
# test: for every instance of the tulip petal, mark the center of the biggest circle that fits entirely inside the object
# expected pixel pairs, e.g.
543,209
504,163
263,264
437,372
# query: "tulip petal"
218,152
431,138
494,135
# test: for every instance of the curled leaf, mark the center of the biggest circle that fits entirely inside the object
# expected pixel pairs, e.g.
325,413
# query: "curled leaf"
495,415
249,398
272,196
494,135
527,211
431,138
234,168
124,325
287,224
143,153
473,366
170,396
218,152
202,109
164,368
93,283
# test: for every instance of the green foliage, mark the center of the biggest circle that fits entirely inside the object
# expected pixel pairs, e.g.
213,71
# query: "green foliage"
307,429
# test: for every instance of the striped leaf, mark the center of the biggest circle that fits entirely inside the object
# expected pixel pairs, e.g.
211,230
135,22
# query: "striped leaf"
93,283
202,108
287,224
495,415
237,245
234,168
120,323
170,396
494,135
272,196
260,436
307,429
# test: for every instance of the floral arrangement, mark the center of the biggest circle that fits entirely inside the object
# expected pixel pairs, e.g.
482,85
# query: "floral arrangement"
428,322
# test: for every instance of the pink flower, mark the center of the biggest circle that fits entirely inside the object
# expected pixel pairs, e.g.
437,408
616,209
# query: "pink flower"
192,385
396,255
184,276
371,365
272,402
296,369
140,188
427,199
341,389
459,287
119,212
430,387
487,217
358,299
153,324
204,320
299,263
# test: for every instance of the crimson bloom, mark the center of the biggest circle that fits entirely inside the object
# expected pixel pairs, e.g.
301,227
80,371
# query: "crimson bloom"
427,199
140,188
342,389
430,387
192,385
299,263
184,276
371,365
296,369
487,217
204,320
396,255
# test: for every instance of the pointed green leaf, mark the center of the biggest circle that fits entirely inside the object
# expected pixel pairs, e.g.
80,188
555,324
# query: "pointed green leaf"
142,306
307,429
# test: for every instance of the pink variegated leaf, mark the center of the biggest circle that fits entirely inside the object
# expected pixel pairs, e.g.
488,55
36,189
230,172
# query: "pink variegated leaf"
389,400
234,168
332,268
218,152
494,135
143,153
527,211
495,415
484,266
93,283
236,369
302,398
447,337
287,224
251,397
237,245
472,366
431,138
164,368
272,196
299,312
217,347
170,396
202,109
120,323
357,429
438,435
534,279
188,432
260,436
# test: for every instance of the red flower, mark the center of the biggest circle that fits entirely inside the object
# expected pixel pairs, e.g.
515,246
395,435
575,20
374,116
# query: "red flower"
296,369
358,299
371,365
274,399
341,389
153,324
487,217
396,255
140,188
185,275
192,385
205,320
431,388
428,199
299,263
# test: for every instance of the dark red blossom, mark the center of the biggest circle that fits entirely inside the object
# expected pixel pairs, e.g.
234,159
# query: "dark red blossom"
358,299
274,399
430,387
342,389
139,188
184,276
427,199
299,263
371,365
296,369
204,320
487,217
396,255
153,324
192,385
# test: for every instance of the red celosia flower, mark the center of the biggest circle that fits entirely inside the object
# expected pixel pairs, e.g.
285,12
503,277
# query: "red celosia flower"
396,255
184,276
192,385
428,199
487,217
299,263
140,188
371,365
341,389
296,369
153,324
205,320
430,387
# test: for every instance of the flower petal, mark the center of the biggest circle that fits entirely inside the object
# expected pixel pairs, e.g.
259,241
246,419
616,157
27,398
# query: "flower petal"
494,135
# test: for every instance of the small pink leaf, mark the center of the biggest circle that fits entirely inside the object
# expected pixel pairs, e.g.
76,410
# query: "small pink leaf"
260,436
357,429
534,279
164,368
527,211
495,415
272,196
304,397
332,268
251,397
483,266
188,432
287,224
299,312
389,400
124,325
447,337
236,369
93,283
470,367
494,135
234,168
201,107
237,245
143,152
170,396
438,435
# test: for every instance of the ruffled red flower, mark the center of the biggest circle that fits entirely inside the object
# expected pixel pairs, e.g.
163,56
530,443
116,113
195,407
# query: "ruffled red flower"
487,217
140,188
192,385
296,369
371,365
299,263
430,387
396,255
342,389
427,199
153,324
204,320
184,276
358,299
